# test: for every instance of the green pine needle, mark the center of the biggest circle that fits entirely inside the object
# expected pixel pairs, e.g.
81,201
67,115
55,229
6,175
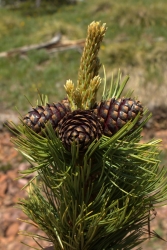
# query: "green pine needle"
116,87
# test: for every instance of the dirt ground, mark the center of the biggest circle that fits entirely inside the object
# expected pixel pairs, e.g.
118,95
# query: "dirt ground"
10,190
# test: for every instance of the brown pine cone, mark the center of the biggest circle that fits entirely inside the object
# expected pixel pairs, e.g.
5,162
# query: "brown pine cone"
37,118
81,126
114,114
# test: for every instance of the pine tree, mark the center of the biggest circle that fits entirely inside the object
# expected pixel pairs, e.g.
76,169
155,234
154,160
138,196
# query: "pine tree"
93,190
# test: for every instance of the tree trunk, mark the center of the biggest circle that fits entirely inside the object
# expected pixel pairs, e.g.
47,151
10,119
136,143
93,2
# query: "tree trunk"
38,3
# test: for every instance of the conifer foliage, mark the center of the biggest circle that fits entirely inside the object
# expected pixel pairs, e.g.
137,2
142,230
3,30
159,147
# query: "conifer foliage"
96,184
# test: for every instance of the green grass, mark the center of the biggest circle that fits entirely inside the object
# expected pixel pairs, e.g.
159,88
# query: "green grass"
136,38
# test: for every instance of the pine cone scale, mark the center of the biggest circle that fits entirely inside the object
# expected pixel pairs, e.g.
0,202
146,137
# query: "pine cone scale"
81,127
39,116
114,114
122,115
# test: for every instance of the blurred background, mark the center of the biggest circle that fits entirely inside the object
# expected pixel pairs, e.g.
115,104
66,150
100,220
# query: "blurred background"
41,43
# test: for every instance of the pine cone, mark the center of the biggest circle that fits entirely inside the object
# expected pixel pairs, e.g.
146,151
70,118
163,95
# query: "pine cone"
114,114
39,116
81,126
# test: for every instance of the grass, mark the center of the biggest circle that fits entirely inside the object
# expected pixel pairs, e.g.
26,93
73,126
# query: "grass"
136,38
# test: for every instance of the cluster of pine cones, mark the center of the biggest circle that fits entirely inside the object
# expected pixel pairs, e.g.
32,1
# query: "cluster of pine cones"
83,126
